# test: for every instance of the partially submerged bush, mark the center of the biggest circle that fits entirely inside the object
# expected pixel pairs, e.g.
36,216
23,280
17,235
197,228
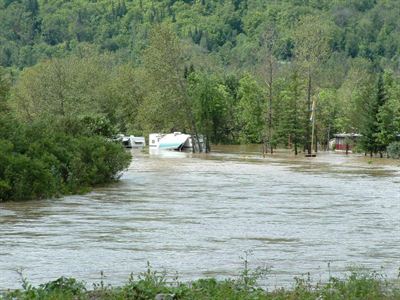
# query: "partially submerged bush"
393,150
37,161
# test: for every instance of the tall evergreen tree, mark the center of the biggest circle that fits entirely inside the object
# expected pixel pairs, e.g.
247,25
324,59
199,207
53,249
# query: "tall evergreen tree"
251,110
292,112
368,102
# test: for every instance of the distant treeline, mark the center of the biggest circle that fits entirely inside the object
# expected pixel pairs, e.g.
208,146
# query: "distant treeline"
238,71
230,30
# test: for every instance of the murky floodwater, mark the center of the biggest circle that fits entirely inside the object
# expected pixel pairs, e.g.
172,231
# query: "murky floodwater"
197,215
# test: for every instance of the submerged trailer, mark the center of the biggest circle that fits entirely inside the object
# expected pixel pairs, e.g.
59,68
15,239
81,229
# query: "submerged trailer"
131,141
175,141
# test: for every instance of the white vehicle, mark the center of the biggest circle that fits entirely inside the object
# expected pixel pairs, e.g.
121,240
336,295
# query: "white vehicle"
171,141
131,141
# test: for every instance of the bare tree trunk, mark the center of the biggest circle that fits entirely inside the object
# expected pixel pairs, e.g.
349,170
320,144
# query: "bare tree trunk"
308,133
316,139
263,148
328,137
269,41
295,136
194,129
61,84
270,103
208,147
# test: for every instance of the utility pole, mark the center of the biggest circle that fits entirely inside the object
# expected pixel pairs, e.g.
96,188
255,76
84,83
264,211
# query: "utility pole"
311,143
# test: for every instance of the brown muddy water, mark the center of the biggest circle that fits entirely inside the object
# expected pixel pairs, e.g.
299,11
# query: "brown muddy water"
197,215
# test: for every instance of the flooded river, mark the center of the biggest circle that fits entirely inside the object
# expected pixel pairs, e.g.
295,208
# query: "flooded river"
197,215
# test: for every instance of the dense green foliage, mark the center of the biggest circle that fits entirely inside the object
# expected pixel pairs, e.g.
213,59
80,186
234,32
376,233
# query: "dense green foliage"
152,284
39,162
235,70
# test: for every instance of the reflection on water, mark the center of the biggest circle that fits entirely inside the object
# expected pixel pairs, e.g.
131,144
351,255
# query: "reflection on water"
196,214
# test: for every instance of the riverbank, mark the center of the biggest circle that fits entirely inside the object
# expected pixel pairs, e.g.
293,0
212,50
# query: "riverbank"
153,285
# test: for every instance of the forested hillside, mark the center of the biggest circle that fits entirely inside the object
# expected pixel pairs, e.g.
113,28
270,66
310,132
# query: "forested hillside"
246,71
232,30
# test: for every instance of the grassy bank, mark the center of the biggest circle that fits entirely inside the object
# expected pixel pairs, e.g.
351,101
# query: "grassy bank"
153,285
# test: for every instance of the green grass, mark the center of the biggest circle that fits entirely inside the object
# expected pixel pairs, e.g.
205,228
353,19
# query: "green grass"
356,285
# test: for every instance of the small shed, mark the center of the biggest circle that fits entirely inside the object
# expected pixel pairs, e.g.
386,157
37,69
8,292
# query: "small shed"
344,142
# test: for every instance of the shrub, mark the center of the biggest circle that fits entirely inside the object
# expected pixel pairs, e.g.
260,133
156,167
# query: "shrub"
60,289
393,150
28,178
64,284
96,161
38,161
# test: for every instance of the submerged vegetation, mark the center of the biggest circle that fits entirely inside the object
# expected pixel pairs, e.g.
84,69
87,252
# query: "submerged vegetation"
152,285
37,161
393,150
